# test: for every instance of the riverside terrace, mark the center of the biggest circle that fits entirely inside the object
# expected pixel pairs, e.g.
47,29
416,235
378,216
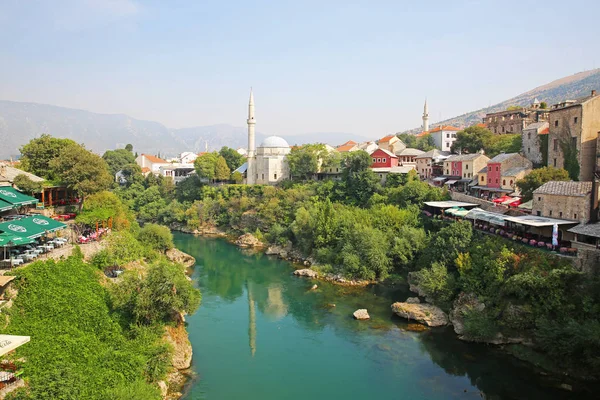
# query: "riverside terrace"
530,230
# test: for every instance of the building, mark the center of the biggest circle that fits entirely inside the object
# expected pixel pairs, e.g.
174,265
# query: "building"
383,159
532,141
574,126
408,155
187,157
9,173
369,147
565,200
152,162
177,171
502,169
431,163
350,145
391,143
383,172
514,121
267,164
465,166
425,118
443,136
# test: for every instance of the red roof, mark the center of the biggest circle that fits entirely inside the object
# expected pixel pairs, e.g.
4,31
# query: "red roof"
545,131
202,153
387,138
145,169
445,128
481,125
348,142
346,147
423,134
154,159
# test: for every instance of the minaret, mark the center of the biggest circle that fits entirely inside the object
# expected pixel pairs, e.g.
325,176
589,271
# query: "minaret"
250,173
425,117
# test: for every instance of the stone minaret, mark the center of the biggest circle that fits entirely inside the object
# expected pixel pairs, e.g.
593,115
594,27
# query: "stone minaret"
425,117
251,173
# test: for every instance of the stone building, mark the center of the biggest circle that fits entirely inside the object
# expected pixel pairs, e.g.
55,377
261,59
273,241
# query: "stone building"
391,143
514,121
408,156
431,163
465,166
565,200
532,141
506,167
574,125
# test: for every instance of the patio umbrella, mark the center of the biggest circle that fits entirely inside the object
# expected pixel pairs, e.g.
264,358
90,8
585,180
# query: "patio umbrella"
10,240
515,203
501,199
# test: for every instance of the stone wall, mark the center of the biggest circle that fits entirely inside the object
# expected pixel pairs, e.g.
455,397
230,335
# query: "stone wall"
576,208
562,128
531,147
484,204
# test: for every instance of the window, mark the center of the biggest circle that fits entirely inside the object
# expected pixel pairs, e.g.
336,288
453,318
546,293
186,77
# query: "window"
528,150
555,144
574,141
374,160
466,166
497,168
575,120
538,213
496,180
556,123
381,176
337,170
379,160
447,144
383,159
555,163
274,176
550,213
574,216
482,179
447,172
263,176
502,129
539,198
503,181
528,135
560,214
511,182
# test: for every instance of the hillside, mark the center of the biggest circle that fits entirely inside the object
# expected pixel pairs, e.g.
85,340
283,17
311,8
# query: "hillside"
21,122
570,87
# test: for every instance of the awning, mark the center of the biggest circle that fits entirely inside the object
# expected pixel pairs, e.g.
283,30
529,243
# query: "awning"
14,197
528,205
448,204
536,221
4,206
482,215
452,182
10,240
31,227
465,180
457,212
489,189
439,179
11,342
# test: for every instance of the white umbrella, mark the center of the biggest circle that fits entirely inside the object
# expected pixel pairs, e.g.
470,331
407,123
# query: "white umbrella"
11,342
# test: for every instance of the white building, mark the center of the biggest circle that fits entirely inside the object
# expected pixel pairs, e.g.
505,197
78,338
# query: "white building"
177,172
267,164
151,162
443,136
187,157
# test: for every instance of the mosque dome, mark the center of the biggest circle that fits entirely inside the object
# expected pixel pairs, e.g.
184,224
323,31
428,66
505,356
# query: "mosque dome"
274,141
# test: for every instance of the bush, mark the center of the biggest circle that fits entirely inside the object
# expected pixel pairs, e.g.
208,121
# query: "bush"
479,325
157,237
437,283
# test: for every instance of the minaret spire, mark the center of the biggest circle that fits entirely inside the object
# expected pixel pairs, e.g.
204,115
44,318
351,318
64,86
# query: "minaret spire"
425,117
250,173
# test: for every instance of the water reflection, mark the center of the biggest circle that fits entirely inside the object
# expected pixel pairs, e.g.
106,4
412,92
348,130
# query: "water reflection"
387,345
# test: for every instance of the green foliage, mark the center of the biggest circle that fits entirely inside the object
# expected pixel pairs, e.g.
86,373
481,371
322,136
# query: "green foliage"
359,182
233,159
39,152
222,171
117,159
132,173
513,108
472,139
157,237
447,244
506,143
479,325
543,105
571,157
190,189
408,139
425,143
25,184
304,161
237,177
437,283
79,351
538,177
101,207
205,165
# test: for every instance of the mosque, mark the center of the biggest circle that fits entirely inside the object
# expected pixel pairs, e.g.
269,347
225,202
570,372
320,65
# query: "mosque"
267,164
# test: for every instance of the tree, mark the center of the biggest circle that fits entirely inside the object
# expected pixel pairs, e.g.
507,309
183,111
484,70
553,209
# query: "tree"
538,177
103,206
507,143
425,143
237,177
359,182
222,171
129,147
117,159
81,170
25,184
232,157
543,105
39,152
132,173
303,162
205,165
472,139
157,237
513,108
189,189
409,139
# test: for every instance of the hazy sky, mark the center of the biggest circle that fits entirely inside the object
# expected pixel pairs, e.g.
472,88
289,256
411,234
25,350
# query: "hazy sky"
316,66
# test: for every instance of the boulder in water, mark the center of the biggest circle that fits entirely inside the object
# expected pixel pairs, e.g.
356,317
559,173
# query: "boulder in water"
427,314
306,272
361,314
248,240
413,300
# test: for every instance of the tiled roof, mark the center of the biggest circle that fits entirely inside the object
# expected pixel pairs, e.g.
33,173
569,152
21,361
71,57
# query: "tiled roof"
502,157
423,133
566,188
445,128
483,170
387,138
481,125
8,174
544,131
535,125
348,142
514,171
409,151
145,169
464,157
434,153
588,230
154,159
346,147
389,153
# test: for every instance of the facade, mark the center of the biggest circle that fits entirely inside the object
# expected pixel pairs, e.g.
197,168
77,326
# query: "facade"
565,200
514,121
443,136
369,147
383,173
152,162
427,162
532,143
465,166
575,124
391,143
266,164
502,164
187,157
408,155
510,177
383,159
177,172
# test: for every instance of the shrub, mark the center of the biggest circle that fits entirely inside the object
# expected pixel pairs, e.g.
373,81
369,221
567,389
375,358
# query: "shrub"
157,237
479,325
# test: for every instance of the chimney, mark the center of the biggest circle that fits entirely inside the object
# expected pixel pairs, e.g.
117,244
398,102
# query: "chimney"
593,92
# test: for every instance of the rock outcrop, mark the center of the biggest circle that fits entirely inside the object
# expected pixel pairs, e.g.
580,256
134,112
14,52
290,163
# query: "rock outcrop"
178,256
424,313
464,302
361,314
413,300
182,348
248,240
306,272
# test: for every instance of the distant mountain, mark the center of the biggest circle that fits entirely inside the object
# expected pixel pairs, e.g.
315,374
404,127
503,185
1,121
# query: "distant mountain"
21,122
570,87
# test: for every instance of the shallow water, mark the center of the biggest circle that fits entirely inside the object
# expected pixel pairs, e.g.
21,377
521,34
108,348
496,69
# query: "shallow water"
261,333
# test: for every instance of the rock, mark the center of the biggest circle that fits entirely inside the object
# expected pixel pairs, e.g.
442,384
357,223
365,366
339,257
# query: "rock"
182,348
164,389
306,272
463,303
361,314
566,386
283,254
306,263
274,251
413,300
331,305
178,256
416,328
314,287
248,240
427,314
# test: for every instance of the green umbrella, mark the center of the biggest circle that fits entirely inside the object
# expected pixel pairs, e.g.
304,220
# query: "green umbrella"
9,240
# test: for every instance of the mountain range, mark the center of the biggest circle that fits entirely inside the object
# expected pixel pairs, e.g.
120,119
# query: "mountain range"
21,122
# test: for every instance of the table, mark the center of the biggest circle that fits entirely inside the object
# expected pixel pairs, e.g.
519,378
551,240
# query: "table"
6,376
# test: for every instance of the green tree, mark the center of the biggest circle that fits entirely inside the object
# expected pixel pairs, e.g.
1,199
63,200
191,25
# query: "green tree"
157,237
447,244
39,152
513,108
359,182
132,173
103,206
232,157
25,184
81,170
205,165
537,178
189,189
472,139
425,143
129,147
543,105
117,159
507,143
237,177
437,283
409,139
222,171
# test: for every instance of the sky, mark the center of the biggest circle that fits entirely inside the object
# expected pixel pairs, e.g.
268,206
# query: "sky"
362,67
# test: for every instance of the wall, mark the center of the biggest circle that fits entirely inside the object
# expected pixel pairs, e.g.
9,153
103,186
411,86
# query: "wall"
566,129
590,125
531,146
379,157
484,204
572,207
494,174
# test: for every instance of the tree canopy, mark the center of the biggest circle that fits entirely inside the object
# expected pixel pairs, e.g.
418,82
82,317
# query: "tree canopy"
205,165
39,152
538,177
25,184
117,159
475,138
304,161
232,157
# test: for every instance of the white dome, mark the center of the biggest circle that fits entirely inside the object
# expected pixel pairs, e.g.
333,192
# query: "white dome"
274,141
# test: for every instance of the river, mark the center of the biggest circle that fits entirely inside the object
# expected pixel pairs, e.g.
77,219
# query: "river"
262,334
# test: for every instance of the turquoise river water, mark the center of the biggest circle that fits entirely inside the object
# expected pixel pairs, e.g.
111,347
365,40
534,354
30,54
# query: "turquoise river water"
262,334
